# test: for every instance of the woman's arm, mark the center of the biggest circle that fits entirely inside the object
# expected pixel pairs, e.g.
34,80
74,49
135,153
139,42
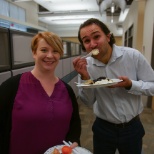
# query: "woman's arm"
75,124
8,91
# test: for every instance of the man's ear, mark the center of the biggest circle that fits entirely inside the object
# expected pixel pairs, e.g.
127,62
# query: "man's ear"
108,37
83,48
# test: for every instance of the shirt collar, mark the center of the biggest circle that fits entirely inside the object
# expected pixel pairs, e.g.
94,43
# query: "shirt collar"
116,52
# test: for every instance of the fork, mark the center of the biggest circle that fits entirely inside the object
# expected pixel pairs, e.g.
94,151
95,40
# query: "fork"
88,55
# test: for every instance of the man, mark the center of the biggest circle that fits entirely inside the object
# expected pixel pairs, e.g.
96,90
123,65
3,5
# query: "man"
117,108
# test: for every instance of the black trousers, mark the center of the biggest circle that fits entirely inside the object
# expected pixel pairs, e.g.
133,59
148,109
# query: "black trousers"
108,137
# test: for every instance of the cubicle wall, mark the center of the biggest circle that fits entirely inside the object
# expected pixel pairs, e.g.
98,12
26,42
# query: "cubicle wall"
69,75
21,70
5,64
20,47
74,76
4,76
16,56
4,50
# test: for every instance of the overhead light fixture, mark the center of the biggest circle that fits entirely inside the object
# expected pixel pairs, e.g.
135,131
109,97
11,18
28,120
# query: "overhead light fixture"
76,17
111,20
67,13
99,1
65,21
123,15
108,3
20,0
112,8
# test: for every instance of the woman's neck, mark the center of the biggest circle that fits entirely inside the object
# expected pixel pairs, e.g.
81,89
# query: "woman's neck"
44,76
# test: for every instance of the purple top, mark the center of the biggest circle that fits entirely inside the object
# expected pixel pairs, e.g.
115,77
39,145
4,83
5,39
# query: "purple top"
39,121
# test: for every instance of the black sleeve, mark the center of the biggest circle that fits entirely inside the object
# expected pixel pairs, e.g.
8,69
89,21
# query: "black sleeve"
8,91
75,124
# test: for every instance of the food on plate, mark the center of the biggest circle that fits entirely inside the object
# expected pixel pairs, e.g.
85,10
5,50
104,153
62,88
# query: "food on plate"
89,82
66,150
100,80
95,52
55,151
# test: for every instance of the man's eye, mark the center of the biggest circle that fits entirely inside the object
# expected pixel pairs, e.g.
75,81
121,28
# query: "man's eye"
96,36
86,41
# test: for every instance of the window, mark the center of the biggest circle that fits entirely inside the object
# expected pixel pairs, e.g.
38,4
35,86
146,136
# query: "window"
73,49
129,37
66,51
4,8
13,11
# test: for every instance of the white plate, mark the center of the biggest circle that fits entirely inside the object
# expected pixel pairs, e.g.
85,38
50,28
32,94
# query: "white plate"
59,147
115,81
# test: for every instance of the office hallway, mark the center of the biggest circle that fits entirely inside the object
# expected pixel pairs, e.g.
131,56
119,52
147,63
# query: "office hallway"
87,118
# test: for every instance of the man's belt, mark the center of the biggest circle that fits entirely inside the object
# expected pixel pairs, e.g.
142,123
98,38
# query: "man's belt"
122,125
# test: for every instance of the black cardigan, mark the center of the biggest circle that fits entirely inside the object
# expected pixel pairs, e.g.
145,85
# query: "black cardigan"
8,90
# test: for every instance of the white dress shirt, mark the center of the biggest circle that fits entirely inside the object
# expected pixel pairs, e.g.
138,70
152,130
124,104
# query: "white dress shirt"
118,105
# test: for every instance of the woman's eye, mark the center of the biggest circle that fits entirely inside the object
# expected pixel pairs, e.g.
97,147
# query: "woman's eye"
43,50
55,51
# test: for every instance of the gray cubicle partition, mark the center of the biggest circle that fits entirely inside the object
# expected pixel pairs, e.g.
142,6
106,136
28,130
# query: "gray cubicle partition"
59,69
22,70
4,76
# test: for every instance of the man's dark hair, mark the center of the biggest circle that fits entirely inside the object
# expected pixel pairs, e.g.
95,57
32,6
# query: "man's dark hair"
103,27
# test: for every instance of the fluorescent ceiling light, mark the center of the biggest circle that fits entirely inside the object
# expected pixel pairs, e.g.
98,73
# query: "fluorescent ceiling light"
112,8
69,22
112,19
68,17
123,15
59,22
20,0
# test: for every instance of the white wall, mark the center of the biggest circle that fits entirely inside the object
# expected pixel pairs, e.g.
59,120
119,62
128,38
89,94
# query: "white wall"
135,17
148,29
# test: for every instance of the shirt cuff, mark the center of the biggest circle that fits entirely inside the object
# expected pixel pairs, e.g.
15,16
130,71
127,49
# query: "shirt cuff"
136,88
80,80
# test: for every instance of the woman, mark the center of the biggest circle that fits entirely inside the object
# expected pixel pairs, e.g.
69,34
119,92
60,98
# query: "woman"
37,109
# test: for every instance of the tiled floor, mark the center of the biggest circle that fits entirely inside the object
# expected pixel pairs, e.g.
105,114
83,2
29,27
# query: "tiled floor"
87,117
